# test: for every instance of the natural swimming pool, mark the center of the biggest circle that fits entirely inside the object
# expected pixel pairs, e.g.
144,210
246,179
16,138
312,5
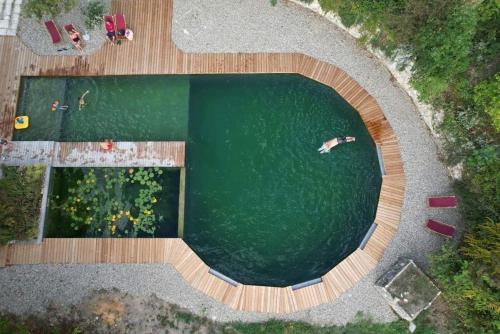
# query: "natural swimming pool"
262,205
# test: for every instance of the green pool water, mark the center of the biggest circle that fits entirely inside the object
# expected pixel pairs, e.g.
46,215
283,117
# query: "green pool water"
262,205
123,108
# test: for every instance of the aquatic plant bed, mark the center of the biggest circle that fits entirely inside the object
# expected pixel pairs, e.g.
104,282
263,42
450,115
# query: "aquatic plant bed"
113,202
20,198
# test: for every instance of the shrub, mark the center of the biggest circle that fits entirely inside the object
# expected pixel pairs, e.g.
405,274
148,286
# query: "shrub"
93,12
487,97
39,8
20,198
467,283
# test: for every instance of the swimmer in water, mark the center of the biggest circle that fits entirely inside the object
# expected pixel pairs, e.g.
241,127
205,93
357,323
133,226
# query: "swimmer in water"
327,146
81,100
56,105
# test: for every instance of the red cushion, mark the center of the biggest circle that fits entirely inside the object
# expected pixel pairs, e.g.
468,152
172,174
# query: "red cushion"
441,228
54,33
120,22
443,202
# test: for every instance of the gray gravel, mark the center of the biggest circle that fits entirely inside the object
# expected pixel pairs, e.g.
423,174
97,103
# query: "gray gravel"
34,35
255,26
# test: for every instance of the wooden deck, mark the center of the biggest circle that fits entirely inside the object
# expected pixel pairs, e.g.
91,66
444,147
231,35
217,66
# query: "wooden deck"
153,52
90,154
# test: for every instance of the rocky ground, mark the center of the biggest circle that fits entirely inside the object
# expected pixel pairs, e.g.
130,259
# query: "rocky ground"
34,34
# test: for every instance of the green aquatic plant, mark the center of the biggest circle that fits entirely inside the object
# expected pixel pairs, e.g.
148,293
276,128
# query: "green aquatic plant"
20,198
113,202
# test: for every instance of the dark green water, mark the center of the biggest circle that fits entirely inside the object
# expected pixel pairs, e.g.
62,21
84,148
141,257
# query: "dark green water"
262,205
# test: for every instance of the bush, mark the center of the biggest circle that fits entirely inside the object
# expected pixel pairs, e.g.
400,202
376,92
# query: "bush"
93,12
487,97
470,280
39,8
441,50
20,198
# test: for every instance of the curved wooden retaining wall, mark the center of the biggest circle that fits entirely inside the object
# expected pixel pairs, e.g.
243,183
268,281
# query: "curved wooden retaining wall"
153,52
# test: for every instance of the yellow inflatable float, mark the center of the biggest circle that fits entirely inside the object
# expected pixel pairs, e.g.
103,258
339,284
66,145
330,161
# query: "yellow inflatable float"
21,122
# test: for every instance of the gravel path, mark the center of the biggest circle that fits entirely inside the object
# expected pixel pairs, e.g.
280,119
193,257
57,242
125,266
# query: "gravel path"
256,26
34,34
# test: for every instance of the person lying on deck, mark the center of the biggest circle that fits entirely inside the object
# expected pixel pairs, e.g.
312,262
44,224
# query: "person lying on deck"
327,146
75,38
81,100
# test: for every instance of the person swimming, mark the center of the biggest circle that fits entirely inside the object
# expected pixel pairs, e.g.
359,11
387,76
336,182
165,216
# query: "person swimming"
81,100
56,105
328,145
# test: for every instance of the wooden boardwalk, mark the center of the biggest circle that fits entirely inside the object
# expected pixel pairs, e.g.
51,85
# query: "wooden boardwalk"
153,52
90,154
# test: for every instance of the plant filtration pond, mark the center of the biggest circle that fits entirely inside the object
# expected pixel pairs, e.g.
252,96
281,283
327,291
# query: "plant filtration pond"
262,205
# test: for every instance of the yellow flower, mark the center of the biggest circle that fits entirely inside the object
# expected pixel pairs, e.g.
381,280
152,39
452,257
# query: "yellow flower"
154,200
77,199
121,212
127,213
113,229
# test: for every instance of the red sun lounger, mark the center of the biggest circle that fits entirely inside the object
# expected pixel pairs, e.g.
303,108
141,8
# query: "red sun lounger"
121,26
440,228
442,202
109,25
53,31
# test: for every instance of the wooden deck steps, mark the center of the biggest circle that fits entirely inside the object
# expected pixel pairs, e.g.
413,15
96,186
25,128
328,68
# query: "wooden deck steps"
153,52
90,154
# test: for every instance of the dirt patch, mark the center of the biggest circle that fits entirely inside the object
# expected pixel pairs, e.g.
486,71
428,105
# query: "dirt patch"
112,311
109,309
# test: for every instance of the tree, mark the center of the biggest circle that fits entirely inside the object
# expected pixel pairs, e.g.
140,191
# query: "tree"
40,8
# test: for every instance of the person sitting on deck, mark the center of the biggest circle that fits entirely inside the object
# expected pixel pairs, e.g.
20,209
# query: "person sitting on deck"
81,100
110,31
107,145
327,146
56,105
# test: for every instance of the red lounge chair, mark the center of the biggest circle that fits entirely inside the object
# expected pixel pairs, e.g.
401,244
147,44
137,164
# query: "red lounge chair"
53,31
121,26
442,202
109,25
440,228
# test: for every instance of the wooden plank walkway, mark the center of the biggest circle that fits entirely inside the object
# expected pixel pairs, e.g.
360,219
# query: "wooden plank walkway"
153,52
90,154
